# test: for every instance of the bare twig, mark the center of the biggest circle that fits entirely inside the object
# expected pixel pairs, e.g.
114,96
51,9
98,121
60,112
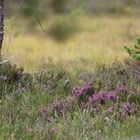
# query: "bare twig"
34,15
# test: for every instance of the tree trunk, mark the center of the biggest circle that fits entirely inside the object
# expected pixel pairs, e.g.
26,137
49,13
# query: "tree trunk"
1,24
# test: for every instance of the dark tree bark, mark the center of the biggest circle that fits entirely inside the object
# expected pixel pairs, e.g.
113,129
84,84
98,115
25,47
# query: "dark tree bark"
1,24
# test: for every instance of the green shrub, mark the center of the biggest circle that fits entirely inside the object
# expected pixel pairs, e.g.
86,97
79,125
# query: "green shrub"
135,51
134,64
29,7
58,6
12,78
63,28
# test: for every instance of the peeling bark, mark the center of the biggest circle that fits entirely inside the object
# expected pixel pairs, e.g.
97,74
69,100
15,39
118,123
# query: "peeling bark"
1,24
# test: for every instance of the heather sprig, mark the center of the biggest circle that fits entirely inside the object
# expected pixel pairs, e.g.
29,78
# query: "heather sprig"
60,107
111,109
123,110
84,89
122,89
102,97
128,109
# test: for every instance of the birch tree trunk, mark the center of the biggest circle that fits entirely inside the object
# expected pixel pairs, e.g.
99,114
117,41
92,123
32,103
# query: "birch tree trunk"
1,24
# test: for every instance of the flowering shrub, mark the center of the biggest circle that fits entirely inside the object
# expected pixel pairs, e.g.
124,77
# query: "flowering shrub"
102,97
86,98
120,95
123,110
82,90
61,108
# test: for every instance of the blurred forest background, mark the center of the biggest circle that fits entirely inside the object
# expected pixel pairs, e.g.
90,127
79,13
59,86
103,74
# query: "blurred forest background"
38,31
44,7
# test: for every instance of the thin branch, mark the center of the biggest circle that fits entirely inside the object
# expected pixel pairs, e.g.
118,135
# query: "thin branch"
39,22
34,15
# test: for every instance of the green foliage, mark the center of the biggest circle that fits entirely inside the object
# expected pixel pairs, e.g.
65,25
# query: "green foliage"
30,7
13,77
63,28
64,6
59,6
135,51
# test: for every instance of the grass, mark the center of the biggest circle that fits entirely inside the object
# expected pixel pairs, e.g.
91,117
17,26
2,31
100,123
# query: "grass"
23,116
100,38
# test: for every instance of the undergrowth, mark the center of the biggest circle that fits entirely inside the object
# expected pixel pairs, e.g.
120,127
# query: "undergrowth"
56,103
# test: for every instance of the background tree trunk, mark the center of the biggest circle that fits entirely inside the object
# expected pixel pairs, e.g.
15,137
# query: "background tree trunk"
1,24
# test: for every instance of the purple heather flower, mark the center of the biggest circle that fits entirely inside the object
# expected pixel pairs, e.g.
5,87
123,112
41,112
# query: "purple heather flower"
59,106
103,96
128,109
122,89
111,110
96,97
111,95
81,90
